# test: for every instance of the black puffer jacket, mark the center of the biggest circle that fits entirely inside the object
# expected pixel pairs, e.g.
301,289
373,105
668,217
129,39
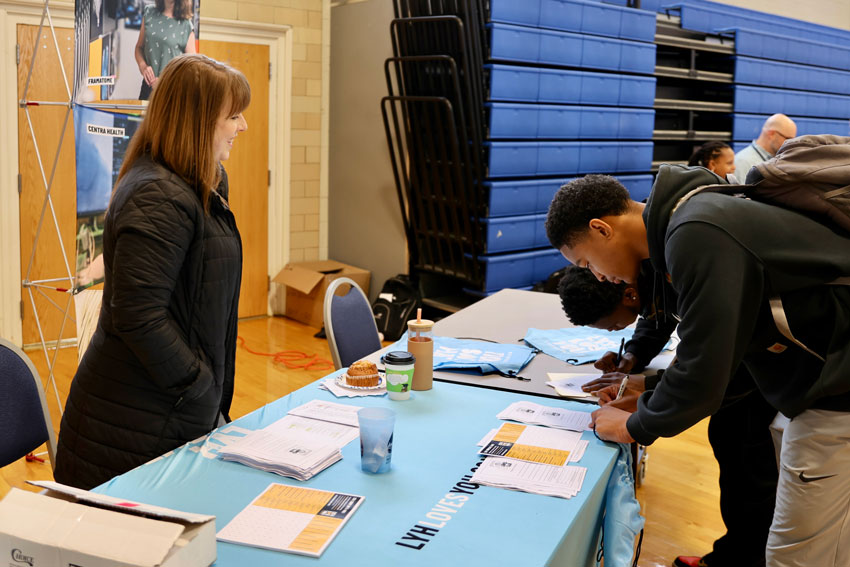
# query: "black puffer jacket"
159,369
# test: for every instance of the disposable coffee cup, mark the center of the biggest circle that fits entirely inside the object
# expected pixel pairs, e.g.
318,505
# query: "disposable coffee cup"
398,366
376,438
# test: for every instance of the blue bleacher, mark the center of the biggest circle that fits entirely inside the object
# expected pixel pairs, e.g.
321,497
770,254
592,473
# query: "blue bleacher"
504,234
579,16
534,45
519,269
792,49
746,127
763,72
601,109
759,100
527,159
535,84
703,17
530,196
560,122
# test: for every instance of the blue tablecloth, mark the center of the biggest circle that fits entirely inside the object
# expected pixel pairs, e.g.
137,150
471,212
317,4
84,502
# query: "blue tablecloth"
434,450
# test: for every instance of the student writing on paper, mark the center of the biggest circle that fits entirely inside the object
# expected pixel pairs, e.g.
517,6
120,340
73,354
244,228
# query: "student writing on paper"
159,370
732,263
738,432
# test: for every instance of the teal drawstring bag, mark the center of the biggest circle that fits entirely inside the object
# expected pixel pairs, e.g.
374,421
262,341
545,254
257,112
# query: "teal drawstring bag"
622,522
472,354
578,345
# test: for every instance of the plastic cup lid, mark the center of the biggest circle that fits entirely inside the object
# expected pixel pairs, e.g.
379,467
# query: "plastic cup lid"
398,357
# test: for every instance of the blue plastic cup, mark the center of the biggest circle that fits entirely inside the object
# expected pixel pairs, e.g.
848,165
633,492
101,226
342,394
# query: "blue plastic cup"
376,438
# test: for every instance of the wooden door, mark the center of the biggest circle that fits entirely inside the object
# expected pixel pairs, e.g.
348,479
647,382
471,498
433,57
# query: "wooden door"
41,253
247,171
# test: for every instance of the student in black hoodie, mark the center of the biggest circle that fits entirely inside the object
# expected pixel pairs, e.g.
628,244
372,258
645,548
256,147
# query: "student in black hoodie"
738,432
727,258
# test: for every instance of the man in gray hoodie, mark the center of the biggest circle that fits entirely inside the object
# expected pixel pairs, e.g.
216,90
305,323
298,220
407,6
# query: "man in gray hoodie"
726,257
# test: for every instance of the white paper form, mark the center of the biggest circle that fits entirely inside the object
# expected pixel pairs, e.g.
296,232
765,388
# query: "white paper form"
564,482
568,385
575,456
532,443
291,518
536,414
328,411
336,433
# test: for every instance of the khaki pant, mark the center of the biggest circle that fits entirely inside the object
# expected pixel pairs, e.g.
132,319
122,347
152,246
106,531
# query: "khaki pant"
811,521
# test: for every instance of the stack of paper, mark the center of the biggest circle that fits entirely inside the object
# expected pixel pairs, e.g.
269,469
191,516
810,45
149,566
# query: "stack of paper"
533,444
294,519
298,457
294,446
564,482
532,459
536,414
575,455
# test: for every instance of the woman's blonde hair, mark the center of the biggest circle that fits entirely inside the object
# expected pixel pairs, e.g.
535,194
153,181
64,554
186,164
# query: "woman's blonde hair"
178,130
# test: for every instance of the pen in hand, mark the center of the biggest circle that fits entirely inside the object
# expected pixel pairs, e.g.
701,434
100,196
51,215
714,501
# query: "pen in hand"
620,352
622,388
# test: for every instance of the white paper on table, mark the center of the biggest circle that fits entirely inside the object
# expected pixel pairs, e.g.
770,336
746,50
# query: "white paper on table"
568,385
331,386
336,433
536,478
300,450
533,443
581,447
537,414
328,411
276,519
300,458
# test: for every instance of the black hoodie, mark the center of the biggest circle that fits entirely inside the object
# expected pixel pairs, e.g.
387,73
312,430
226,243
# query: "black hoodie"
725,257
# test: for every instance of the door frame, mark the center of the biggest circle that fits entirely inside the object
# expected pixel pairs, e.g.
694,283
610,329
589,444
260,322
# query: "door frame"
279,38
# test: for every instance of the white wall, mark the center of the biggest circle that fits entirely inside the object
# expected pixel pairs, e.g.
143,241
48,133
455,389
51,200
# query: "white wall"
834,13
365,227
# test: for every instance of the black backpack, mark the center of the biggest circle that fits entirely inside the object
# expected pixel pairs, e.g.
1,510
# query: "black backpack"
809,174
395,305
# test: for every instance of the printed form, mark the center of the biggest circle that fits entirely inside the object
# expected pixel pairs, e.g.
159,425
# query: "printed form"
293,519
536,414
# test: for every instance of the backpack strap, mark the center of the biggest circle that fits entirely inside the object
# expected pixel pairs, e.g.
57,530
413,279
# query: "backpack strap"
782,324
776,308
719,188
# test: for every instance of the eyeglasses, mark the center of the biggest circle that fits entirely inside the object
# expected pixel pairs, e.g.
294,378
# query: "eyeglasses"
784,137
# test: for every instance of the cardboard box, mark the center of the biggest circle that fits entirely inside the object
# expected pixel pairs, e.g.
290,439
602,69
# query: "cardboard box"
307,282
68,526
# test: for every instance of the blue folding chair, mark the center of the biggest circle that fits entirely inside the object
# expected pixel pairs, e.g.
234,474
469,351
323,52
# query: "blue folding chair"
24,420
349,324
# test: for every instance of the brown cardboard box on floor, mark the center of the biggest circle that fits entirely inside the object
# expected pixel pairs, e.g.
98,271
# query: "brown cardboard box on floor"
68,526
306,283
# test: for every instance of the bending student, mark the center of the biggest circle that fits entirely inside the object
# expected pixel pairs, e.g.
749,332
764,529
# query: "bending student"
726,257
159,369
738,431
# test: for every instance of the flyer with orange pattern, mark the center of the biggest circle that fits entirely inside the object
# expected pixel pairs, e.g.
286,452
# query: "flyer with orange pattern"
293,519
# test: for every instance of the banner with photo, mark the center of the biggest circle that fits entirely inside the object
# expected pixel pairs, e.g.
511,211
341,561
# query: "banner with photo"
101,141
122,45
